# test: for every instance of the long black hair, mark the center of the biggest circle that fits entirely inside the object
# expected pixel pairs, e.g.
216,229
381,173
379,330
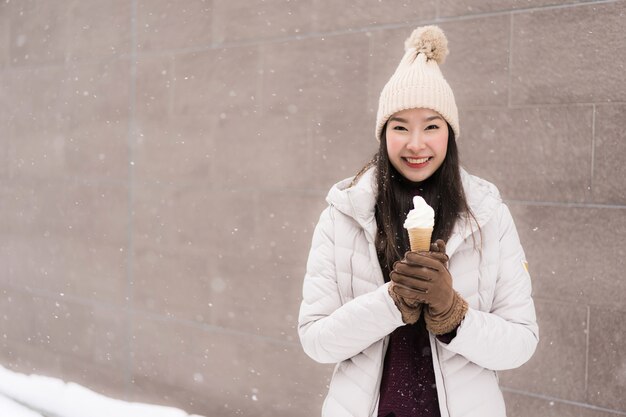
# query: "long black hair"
443,191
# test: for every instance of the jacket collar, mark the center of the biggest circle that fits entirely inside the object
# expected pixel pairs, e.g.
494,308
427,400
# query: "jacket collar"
483,199
358,202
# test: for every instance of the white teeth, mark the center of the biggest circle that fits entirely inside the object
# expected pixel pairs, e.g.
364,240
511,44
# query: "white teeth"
417,161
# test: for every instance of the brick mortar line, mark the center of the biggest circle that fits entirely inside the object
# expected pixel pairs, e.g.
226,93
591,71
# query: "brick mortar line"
64,180
210,188
132,131
218,329
261,86
565,204
593,147
542,105
372,28
510,63
314,35
563,401
213,21
301,191
587,349
533,9
602,306
172,86
206,185
131,311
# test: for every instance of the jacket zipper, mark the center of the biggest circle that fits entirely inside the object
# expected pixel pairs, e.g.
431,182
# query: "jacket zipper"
444,405
376,393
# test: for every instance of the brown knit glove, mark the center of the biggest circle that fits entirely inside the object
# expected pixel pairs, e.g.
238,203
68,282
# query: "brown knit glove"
410,310
424,276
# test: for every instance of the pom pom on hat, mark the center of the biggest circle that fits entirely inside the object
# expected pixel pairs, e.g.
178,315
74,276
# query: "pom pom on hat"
418,81
430,41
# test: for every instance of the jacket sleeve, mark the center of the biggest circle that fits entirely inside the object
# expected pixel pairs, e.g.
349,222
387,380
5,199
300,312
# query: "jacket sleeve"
331,331
505,337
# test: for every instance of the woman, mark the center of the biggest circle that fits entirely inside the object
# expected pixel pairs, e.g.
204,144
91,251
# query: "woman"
416,333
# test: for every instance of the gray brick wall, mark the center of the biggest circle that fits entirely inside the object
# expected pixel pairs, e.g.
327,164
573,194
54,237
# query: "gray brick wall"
163,164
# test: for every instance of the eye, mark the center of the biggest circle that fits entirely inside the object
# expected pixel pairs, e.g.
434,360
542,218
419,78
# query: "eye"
399,128
431,127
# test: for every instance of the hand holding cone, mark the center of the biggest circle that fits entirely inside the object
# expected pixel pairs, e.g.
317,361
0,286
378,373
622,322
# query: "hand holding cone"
419,223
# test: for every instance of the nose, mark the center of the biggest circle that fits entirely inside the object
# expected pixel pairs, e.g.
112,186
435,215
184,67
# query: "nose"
416,142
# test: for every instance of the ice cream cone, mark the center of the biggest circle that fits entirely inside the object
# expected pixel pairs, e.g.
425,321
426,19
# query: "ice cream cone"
419,238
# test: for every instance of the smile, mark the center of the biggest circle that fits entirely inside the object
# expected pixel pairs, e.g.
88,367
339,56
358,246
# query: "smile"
417,160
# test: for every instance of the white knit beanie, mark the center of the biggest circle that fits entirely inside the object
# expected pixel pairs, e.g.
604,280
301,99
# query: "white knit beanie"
418,82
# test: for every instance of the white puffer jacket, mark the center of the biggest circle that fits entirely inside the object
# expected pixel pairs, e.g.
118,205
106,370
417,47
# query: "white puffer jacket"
347,314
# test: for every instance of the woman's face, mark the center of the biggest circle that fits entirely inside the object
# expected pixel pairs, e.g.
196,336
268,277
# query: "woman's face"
417,142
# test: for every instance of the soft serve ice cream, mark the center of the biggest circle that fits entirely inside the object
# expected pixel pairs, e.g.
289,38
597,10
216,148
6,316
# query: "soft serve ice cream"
420,223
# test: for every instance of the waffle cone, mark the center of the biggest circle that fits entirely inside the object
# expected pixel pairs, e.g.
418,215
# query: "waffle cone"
420,239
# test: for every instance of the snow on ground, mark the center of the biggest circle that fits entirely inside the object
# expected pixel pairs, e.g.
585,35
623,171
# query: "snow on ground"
34,395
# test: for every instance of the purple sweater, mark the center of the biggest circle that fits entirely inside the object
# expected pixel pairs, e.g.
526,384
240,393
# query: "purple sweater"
408,384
